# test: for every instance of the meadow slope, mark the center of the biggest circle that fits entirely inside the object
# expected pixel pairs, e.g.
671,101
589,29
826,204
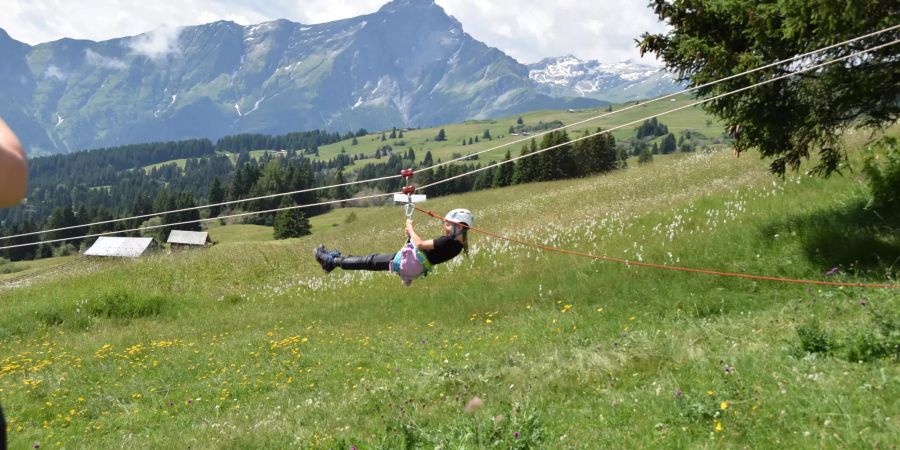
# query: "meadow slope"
249,345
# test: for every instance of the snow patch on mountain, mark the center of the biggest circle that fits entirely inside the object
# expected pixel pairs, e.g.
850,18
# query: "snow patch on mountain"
620,81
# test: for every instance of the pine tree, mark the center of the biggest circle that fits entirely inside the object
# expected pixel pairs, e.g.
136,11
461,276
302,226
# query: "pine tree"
216,195
441,136
503,176
290,223
788,120
186,200
668,144
339,192
645,157
526,168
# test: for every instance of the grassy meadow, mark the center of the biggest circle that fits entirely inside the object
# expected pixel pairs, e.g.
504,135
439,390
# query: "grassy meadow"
250,345
422,140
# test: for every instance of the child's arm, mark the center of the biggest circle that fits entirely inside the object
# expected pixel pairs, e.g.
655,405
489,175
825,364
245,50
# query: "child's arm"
415,239
13,168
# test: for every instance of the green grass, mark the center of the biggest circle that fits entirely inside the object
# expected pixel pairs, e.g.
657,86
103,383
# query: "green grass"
239,233
21,268
422,140
249,345
178,162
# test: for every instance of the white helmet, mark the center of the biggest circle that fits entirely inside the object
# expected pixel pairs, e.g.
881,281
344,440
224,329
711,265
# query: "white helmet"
460,215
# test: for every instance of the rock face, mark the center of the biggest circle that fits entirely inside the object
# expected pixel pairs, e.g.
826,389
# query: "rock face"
408,64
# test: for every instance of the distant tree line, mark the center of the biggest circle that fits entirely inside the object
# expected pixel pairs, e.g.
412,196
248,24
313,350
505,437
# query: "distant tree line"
70,198
308,141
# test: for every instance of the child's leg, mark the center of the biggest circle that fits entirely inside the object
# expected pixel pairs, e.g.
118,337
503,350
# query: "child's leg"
375,261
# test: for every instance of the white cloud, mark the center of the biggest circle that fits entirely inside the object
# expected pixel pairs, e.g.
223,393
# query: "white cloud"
95,59
527,30
55,72
157,44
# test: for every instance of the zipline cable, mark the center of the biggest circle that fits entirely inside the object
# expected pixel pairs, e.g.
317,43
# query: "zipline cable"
469,172
151,227
699,102
232,202
674,94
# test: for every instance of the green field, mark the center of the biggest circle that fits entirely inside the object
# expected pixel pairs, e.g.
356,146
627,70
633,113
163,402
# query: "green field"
249,345
178,162
422,140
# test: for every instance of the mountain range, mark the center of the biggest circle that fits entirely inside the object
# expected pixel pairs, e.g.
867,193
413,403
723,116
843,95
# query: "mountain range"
408,64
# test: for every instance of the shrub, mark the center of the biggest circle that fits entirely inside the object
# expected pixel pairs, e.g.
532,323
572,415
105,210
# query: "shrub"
882,170
814,340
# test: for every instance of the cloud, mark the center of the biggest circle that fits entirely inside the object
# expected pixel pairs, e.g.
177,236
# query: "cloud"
95,59
55,72
527,30
158,44
530,30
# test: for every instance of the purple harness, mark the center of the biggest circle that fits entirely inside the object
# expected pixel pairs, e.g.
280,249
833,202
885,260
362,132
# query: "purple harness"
410,263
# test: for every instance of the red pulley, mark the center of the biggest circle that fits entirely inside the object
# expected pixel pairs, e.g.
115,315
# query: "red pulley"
406,173
408,190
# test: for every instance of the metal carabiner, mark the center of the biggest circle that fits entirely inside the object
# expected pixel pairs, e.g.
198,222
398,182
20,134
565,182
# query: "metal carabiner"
410,208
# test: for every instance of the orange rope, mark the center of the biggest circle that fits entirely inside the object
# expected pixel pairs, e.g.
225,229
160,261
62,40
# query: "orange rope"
664,267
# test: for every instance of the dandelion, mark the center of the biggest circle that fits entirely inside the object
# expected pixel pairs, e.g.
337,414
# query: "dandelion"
719,426
723,406
710,393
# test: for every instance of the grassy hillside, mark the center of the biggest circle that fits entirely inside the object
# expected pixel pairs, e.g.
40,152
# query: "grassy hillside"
423,140
249,345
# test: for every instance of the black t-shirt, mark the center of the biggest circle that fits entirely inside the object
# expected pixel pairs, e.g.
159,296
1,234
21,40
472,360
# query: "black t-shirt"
445,249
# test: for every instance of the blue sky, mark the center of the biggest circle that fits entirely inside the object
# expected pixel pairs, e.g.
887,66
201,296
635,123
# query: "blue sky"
525,29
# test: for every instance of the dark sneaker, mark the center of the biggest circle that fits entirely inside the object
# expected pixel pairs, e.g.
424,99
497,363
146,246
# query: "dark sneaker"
325,258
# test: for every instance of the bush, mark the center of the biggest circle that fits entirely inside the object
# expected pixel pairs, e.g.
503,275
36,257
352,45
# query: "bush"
814,340
882,169
859,342
7,267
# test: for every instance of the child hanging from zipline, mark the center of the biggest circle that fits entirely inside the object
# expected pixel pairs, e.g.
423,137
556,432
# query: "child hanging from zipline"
416,258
